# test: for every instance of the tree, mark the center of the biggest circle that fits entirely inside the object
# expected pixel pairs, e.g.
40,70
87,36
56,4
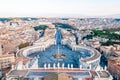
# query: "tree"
22,45
40,27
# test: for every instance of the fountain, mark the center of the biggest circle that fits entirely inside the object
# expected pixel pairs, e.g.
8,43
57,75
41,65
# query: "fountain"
59,56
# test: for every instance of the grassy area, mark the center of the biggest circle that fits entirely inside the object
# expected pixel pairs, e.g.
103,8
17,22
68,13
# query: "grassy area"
5,19
64,26
109,43
106,34
103,34
40,27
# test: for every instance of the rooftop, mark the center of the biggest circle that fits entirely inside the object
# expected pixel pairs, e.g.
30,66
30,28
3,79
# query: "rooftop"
18,73
7,55
63,74
103,74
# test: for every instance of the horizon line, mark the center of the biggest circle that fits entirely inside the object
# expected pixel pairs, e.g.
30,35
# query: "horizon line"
65,16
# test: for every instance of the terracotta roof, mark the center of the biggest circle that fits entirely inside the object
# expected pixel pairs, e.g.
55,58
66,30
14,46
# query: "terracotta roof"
103,74
18,72
59,76
64,76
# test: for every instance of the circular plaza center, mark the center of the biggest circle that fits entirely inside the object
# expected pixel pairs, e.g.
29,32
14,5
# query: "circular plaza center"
61,54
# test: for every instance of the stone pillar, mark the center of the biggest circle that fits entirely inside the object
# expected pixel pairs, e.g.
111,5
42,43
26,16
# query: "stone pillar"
35,65
63,65
71,66
0,50
68,66
49,65
54,65
105,68
75,48
7,76
44,48
90,67
101,69
45,66
41,49
12,67
80,66
58,65
55,42
72,49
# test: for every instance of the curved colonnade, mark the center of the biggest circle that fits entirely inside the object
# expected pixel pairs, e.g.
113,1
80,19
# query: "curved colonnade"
86,63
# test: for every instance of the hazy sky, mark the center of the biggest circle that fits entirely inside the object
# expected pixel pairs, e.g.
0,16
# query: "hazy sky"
59,7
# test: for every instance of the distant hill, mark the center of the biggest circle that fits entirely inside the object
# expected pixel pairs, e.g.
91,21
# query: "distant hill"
113,16
106,16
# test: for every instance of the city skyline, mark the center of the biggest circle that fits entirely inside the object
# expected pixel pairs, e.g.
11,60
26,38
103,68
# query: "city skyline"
58,8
